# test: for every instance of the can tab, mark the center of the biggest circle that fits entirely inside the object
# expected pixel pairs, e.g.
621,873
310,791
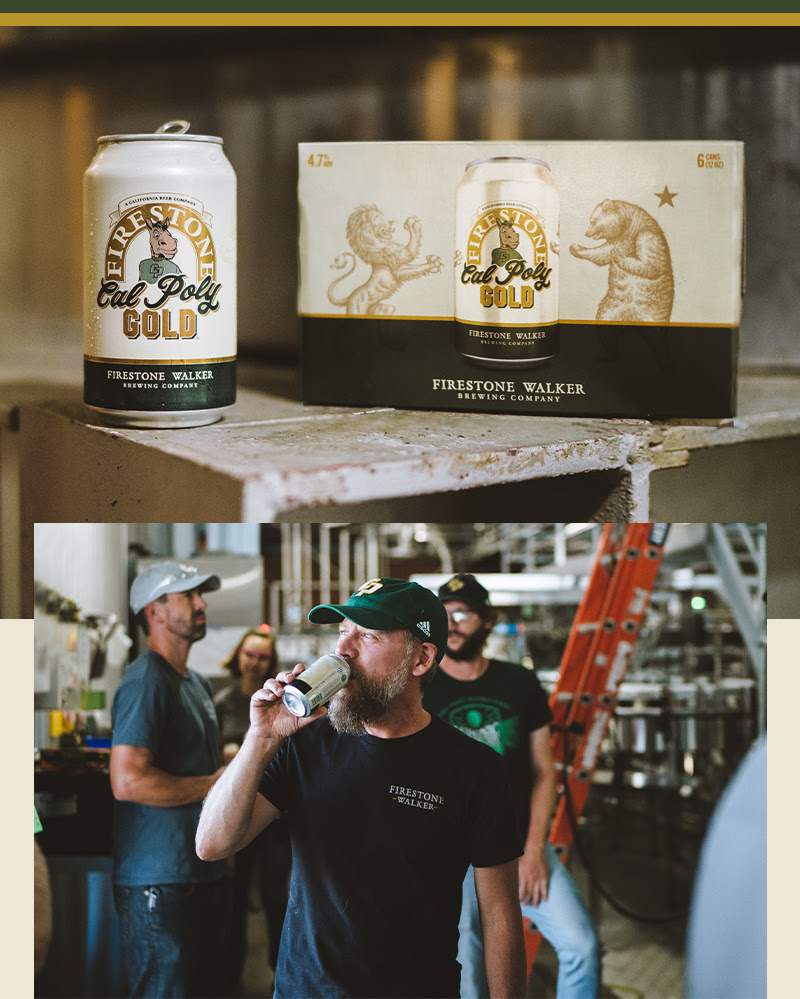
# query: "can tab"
177,127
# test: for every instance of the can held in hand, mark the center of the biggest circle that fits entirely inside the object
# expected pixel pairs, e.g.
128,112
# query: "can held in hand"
316,685
160,279
506,296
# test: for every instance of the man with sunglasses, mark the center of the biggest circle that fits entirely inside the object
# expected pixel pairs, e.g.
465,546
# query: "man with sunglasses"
503,705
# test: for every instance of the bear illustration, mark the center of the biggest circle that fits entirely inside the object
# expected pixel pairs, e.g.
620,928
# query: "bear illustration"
640,281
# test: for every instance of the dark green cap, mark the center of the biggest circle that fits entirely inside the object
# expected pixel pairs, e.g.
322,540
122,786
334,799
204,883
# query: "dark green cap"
390,605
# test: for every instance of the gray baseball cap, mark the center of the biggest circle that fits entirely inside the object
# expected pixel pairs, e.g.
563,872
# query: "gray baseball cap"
168,577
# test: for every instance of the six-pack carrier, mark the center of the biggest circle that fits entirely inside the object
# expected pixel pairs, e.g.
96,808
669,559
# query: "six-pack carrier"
565,278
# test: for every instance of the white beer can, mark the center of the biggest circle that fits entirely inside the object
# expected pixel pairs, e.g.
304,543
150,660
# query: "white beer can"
506,296
160,279
316,685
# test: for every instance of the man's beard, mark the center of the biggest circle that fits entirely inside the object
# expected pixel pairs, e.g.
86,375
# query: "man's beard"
471,646
198,631
193,633
353,708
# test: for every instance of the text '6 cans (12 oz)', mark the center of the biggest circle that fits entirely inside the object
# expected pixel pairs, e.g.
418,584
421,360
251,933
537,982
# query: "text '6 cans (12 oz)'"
160,279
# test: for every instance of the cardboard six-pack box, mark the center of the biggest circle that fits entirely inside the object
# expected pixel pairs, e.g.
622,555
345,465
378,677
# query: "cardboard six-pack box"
650,279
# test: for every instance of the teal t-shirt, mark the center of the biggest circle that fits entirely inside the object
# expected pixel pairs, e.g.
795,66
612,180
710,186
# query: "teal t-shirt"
173,716
152,269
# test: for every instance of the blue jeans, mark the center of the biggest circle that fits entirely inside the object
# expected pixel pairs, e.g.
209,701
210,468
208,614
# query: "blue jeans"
174,937
563,920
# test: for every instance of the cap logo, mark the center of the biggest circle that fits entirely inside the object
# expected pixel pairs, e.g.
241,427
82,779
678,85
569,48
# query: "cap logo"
455,584
424,627
371,586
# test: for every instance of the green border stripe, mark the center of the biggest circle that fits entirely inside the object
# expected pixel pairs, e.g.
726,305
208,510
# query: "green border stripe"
578,14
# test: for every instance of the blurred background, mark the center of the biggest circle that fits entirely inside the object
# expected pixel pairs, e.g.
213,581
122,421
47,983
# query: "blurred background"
264,89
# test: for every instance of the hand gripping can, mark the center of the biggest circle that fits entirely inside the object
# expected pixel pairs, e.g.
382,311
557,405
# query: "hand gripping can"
160,279
316,685
506,295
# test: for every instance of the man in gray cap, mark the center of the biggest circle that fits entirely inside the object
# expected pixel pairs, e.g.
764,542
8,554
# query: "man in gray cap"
387,807
165,757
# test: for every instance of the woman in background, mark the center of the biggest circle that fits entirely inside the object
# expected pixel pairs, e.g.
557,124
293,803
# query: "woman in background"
268,857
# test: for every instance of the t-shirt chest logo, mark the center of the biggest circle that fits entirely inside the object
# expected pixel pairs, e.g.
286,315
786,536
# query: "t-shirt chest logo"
485,723
413,797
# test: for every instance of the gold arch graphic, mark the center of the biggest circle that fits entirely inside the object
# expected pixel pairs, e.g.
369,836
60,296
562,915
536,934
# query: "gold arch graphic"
182,220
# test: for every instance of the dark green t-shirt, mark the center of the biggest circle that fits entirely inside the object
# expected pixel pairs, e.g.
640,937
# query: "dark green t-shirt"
501,709
173,716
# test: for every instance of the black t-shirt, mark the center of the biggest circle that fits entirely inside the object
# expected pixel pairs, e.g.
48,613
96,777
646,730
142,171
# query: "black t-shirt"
383,831
501,709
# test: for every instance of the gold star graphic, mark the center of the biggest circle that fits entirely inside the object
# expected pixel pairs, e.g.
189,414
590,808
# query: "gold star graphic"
665,197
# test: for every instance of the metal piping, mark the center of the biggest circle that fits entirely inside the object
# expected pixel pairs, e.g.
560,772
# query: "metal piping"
750,613
286,572
324,564
344,566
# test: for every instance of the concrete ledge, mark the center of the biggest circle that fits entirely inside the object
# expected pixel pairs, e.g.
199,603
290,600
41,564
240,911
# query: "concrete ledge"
270,457
273,458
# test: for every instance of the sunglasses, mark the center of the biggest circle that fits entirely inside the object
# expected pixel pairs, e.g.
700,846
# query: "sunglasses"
458,616
260,656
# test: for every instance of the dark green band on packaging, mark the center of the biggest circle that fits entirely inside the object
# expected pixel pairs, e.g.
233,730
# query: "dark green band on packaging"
645,372
159,388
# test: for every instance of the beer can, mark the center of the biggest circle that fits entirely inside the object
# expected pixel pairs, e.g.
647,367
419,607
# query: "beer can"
506,296
316,685
160,279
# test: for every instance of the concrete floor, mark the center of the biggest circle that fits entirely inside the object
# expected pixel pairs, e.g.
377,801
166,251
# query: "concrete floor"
258,976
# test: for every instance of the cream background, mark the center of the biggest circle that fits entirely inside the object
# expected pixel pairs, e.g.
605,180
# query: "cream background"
704,227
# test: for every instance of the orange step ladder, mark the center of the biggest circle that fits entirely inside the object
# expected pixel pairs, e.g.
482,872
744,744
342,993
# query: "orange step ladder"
593,665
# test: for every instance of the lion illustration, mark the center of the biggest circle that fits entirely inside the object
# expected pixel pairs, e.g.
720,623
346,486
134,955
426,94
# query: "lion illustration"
640,281
370,237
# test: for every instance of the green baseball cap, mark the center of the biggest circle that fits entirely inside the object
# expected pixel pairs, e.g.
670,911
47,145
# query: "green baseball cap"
390,605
